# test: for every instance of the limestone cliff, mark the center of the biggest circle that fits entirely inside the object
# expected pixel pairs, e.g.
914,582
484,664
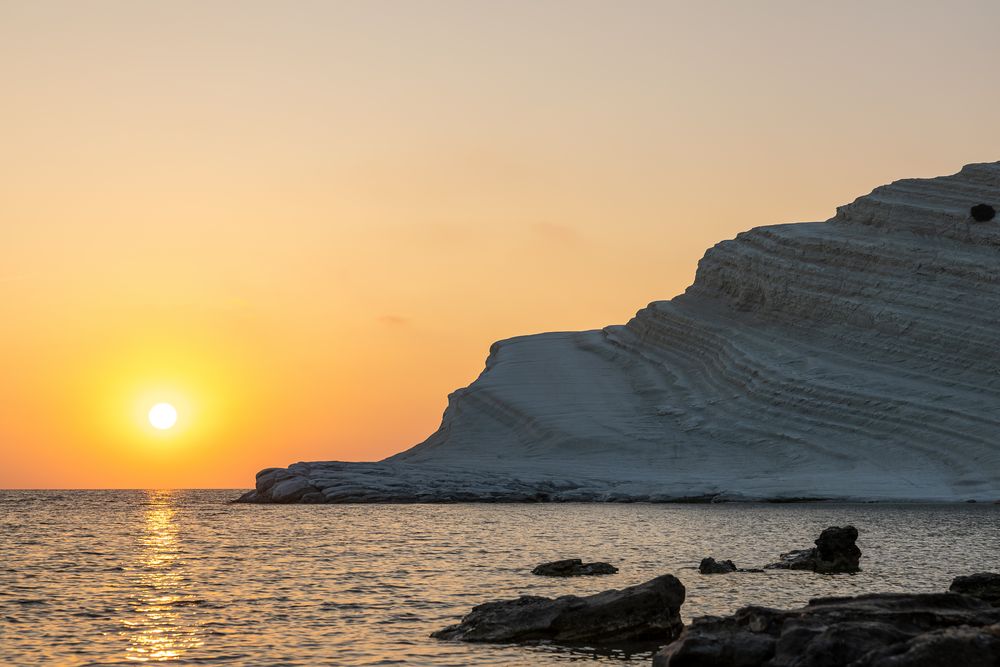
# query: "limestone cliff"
853,358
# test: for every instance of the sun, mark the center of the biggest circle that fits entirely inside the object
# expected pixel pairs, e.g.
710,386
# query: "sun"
163,416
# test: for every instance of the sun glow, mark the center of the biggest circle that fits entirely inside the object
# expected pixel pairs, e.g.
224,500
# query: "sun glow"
207,382
163,416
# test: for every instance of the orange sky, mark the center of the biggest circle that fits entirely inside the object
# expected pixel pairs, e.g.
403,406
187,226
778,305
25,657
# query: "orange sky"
304,223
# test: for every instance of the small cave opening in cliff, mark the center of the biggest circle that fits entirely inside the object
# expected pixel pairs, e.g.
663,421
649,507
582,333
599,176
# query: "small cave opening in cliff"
982,212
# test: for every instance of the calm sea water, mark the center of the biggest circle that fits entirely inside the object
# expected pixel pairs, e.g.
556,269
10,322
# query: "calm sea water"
115,577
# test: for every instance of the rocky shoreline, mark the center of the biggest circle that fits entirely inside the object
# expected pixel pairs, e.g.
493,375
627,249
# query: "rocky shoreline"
877,630
961,626
338,483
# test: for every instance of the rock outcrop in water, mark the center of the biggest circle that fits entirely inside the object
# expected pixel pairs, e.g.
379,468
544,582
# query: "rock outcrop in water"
711,566
836,552
646,613
573,567
856,358
880,630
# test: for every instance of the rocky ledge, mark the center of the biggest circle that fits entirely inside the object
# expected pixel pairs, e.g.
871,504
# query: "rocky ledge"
960,627
880,630
648,613
983,585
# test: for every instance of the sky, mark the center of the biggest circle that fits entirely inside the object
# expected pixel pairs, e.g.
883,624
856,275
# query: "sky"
303,223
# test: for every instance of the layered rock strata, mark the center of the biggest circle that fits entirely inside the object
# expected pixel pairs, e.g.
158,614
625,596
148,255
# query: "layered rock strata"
857,358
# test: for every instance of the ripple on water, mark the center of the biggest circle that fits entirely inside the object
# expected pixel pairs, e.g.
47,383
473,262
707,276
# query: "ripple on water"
115,577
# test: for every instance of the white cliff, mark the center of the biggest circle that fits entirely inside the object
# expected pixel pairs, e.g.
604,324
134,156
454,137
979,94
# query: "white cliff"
857,358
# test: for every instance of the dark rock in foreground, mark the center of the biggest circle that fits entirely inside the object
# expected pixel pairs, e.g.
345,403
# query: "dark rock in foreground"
881,630
836,551
984,585
573,567
648,612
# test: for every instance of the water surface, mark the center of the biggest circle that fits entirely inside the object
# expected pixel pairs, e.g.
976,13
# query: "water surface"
116,577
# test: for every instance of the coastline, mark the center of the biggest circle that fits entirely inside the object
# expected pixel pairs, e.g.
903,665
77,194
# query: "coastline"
853,359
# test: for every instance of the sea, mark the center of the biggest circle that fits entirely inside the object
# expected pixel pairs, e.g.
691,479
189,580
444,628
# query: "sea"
186,576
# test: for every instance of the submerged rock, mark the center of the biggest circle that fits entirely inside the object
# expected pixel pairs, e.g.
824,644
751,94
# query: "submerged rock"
711,566
648,612
836,551
573,567
983,585
880,630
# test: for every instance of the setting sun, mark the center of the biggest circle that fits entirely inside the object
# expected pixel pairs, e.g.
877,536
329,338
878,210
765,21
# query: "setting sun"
163,416
499,333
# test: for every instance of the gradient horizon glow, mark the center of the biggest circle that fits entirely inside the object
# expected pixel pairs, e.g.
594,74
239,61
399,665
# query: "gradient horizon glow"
303,224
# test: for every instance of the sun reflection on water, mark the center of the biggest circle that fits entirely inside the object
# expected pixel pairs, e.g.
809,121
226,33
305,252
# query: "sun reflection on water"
157,630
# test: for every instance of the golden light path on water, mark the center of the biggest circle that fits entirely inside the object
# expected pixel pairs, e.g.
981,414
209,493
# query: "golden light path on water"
157,630
184,577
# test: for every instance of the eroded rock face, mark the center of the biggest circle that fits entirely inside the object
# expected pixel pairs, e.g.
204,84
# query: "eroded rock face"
836,552
648,612
983,585
882,630
283,485
840,359
573,567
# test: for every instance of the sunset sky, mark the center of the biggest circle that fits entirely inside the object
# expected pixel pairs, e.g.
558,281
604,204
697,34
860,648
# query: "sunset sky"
303,223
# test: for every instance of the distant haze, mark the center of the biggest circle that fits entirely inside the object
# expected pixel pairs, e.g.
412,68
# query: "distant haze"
303,223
